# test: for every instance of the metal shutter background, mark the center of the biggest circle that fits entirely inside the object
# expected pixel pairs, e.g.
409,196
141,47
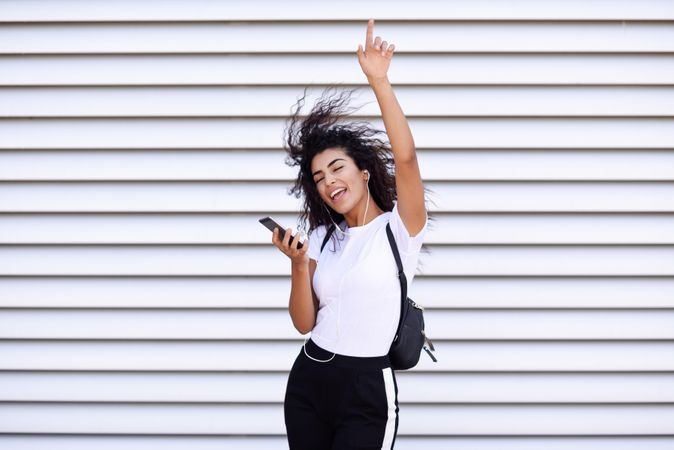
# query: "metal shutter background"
142,306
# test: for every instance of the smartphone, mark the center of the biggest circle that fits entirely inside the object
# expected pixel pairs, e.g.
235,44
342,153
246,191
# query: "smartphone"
271,224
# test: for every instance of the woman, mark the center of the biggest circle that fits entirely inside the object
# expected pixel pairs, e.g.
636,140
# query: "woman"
341,391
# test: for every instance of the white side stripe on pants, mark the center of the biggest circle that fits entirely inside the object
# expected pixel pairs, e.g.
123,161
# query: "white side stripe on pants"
390,399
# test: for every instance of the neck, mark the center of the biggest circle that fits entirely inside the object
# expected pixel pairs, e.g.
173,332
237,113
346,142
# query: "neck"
354,218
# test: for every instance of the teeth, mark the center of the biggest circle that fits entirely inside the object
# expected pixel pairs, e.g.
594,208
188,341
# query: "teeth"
337,192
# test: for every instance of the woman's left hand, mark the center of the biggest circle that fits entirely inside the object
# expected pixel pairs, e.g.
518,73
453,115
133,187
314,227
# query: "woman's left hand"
376,57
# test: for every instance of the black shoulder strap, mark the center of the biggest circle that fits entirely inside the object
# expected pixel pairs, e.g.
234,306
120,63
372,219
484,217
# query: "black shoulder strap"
401,277
331,228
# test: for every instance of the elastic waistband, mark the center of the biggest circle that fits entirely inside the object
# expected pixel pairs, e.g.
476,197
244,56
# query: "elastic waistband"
366,362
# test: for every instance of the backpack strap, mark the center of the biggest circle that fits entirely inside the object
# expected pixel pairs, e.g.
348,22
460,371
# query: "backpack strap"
327,236
401,277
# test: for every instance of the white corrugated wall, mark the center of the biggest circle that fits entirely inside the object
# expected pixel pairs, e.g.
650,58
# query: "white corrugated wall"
142,306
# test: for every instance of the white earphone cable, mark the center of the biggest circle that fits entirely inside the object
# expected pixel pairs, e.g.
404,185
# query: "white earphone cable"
304,346
311,357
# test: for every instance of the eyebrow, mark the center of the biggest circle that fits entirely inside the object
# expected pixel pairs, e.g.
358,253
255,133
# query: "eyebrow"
331,163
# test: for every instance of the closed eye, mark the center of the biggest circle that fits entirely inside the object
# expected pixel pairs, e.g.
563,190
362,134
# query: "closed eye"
321,179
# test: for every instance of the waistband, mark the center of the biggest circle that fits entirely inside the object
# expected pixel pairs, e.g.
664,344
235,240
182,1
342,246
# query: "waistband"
365,362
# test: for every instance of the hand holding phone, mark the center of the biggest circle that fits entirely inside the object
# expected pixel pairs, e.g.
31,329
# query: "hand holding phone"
271,224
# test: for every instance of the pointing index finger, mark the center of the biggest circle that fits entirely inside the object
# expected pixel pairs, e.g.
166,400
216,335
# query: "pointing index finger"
368,33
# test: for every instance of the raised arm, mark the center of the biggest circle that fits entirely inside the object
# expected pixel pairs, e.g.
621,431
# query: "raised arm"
375,61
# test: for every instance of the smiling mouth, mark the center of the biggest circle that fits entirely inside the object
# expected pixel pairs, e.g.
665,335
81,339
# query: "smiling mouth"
335,198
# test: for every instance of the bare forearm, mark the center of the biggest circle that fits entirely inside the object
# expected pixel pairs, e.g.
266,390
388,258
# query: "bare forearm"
301,303
395,122
409,186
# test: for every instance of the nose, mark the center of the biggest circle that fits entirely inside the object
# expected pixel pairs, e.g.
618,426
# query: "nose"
329,179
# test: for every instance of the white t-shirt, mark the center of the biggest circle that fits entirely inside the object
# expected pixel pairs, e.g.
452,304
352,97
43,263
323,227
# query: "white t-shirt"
357,285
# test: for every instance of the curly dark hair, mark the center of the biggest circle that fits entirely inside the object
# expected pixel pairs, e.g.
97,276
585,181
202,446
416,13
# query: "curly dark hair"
320,130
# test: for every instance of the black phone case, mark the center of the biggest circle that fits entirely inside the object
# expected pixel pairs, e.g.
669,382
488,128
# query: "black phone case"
271,224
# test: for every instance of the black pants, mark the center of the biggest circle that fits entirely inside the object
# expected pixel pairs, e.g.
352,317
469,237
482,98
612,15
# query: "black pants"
347,403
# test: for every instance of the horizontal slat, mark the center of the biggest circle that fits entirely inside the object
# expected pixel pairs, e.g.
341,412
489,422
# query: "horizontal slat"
201,101
276,324
242,229
414,387
232,37
248,442
269,165
96,70
252,356
266,292
256,442
272,197
458,133
268,419
235,260
249,165
73,10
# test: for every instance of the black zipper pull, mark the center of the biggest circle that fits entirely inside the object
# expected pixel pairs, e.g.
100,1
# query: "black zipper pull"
430,354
